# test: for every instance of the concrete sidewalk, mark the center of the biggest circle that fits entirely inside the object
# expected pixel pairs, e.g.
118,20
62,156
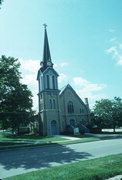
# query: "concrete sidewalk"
103,135
68,137
119,177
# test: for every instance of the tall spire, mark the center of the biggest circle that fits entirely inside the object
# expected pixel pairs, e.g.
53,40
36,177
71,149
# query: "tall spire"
46,61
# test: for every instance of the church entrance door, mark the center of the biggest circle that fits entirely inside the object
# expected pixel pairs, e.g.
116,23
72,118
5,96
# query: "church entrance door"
53,128
72,122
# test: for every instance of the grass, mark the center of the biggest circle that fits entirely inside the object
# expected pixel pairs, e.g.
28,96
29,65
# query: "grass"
7,136
9,144
95,169
29,137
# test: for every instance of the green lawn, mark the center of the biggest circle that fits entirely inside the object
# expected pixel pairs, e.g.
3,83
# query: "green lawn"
95,169
9,144
10,137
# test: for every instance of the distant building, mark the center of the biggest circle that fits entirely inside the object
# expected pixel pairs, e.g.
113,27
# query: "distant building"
59,110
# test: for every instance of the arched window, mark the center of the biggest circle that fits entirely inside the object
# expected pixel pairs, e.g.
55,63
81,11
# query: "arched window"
48,82
51,104
53,80
54,105
81,110
70,107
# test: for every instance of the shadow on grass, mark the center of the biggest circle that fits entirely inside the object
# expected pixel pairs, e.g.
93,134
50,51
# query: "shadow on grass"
37,158
27,137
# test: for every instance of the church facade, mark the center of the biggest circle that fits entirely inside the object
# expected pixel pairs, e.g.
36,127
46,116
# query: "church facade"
59,110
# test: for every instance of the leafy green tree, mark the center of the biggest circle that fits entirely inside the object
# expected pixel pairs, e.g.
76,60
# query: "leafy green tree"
1,2
96,122
15,97
109,112
117,112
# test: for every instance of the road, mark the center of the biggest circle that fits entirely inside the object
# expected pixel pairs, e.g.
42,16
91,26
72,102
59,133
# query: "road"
14,162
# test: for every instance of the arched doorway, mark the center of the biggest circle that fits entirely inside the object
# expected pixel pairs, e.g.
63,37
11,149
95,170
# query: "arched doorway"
53,128
72,122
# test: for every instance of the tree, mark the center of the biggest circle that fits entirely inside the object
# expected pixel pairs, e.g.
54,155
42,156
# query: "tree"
15,97
109,112
1,2
117,112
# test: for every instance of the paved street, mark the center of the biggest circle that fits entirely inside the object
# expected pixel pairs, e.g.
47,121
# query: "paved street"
19,161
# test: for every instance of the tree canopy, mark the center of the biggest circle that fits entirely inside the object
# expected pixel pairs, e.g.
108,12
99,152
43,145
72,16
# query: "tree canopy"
15,97
1,1
108,113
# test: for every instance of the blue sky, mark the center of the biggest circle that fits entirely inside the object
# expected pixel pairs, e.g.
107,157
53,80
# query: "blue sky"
85,38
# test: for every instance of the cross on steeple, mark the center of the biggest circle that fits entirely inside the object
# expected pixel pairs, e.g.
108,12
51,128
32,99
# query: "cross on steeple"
45,25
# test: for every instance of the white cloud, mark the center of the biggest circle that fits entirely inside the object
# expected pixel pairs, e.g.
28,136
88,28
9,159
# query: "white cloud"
29,79
119,61
35,100
111,30
112,50
29,69
55,65
113,39
62,77
116,50
116,53
120,46
88,89
29,65
63,64
87,85
92,97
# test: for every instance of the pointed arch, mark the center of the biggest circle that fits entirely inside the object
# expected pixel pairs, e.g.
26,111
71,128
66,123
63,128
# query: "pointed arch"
51,105
48,82
70,107
54,104
53,81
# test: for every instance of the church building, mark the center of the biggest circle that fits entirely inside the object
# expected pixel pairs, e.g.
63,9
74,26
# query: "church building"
59,110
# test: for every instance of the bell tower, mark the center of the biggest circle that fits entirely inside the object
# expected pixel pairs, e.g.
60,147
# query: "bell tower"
48,93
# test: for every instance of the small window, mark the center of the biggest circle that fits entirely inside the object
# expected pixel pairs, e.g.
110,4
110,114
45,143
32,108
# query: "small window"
48,82
53,80
54,104
82,110
51,104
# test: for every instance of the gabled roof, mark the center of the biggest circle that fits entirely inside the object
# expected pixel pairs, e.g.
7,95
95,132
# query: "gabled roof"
50,68
68,86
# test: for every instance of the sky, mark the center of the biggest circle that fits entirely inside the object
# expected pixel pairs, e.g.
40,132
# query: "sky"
85,38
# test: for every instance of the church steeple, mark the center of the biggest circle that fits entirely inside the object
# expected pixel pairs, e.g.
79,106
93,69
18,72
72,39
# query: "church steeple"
46,61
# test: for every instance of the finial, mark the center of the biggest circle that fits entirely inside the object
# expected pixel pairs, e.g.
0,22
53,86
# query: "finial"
45,25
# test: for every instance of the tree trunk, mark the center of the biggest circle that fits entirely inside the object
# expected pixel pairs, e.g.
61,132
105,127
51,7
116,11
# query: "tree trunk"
114,127
18,131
